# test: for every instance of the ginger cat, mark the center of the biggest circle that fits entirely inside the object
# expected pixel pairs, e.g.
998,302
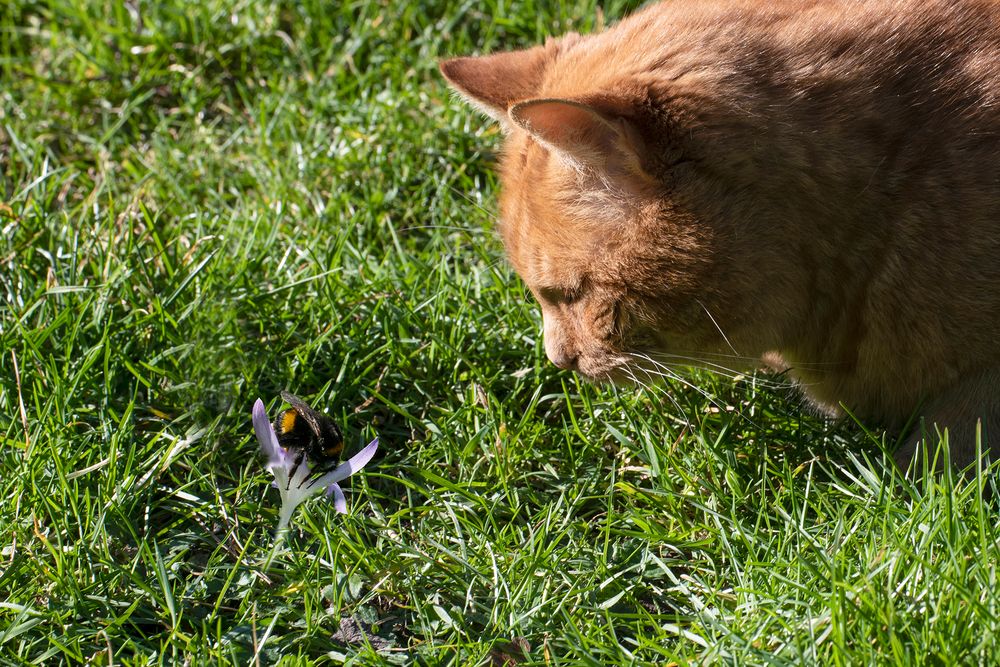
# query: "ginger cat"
815,183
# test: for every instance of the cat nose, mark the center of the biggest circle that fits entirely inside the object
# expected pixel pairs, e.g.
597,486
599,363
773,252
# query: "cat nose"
558,346
563,358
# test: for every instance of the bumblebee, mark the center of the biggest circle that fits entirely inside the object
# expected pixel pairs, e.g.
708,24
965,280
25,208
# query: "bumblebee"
312,435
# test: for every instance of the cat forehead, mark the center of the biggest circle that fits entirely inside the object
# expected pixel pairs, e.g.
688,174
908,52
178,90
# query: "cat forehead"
554,223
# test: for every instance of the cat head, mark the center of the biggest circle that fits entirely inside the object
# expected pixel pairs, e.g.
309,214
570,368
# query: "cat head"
602,211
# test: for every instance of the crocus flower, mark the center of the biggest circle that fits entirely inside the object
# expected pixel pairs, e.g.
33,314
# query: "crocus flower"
293,475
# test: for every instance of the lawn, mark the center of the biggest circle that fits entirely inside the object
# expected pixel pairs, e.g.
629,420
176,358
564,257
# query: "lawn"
206,203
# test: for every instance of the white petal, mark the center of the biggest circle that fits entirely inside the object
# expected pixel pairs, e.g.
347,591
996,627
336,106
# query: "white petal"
301,474
296,491
285,514
280,473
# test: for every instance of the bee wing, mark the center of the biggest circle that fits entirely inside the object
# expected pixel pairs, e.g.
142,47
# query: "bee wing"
308,414
323,428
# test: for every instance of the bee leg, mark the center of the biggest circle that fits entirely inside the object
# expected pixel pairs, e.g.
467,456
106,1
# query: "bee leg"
299,457
319,471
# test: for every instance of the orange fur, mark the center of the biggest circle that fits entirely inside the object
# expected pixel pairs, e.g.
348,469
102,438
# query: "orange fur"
814,182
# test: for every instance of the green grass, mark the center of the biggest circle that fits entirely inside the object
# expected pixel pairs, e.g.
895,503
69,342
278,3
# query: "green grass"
210,202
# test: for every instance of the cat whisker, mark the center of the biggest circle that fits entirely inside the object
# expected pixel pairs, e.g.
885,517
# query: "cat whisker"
468,198
725,371
719,328
666,372
702,359
451,228
651,387
701,355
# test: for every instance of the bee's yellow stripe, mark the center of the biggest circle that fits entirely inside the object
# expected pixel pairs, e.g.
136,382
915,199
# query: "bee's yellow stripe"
288,421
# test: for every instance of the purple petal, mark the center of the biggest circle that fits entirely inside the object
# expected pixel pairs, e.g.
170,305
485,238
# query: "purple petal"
339,502
266,436
353,464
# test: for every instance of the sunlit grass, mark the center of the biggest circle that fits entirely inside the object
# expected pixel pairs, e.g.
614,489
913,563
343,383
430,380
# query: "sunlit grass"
208,202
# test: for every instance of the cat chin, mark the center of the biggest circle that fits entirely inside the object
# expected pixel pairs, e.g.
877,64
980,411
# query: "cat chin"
614,371
620,378
612,377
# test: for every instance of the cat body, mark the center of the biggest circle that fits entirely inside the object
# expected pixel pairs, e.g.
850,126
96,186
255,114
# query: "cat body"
815,183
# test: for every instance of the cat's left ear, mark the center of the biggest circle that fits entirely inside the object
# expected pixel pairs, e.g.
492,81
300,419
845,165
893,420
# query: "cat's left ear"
582,132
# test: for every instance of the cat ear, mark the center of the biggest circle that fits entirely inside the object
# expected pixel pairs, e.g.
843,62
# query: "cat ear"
493,83
580,132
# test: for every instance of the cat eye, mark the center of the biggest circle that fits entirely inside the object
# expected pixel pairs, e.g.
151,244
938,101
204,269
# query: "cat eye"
555,295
